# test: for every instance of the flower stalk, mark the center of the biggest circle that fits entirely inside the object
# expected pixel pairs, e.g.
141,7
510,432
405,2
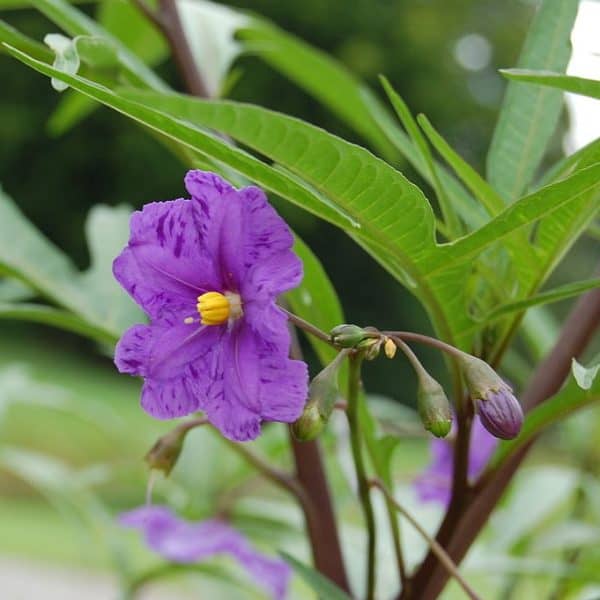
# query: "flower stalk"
355,362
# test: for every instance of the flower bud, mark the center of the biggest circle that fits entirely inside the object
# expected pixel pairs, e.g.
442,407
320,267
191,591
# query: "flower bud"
166,450
390,348
433,405
347,336
370,347
501,414
499,410
322,394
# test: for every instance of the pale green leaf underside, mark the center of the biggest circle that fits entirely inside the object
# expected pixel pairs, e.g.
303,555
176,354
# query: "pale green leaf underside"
99,307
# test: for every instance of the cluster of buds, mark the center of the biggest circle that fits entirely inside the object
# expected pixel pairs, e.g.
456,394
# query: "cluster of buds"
498,408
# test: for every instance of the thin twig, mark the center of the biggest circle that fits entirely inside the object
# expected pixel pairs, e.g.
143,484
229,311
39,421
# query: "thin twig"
442,555
308,327
410,336
279,477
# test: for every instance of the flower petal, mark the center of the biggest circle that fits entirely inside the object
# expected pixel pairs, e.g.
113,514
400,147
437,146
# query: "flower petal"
241,229
175,360
185,542
165,264
258,383
265,280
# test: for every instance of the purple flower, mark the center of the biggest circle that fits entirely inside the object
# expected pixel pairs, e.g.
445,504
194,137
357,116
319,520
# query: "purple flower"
434,484
207,271
500,413
181,541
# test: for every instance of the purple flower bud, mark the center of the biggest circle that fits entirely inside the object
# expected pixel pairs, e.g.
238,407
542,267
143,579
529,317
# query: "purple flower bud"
501,413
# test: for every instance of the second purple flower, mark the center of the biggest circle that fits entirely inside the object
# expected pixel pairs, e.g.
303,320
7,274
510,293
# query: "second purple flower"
207,271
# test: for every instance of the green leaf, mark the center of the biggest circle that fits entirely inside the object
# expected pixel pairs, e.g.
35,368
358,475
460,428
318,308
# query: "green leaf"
39,313
27,255
582,185
388,210
320,75
530,115
125,22
347,186
107,232
488,197
584,376
12,290
316,300
567,83
470,211
325,589
102,309
450,217
571,398
555,295
9,35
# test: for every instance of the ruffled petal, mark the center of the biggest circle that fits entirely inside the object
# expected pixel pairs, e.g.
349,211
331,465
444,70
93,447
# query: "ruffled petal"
265,280
175,359
186,542
165,264
242,230
258,383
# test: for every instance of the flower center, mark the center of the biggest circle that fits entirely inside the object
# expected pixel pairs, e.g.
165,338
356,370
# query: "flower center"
215,308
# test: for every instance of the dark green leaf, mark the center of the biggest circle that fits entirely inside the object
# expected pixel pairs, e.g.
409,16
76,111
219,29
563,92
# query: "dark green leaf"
560,293
316,301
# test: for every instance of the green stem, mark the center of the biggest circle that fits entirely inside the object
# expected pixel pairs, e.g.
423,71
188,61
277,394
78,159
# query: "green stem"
361,473
308,327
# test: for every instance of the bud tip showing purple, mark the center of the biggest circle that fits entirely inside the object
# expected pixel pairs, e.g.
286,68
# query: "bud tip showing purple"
501,414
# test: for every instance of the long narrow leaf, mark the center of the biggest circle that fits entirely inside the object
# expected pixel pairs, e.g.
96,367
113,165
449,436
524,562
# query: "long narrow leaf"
567,83
530,115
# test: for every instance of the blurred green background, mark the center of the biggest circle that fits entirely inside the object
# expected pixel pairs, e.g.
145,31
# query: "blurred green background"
94,427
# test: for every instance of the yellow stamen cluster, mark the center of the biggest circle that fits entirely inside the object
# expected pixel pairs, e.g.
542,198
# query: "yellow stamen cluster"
216,308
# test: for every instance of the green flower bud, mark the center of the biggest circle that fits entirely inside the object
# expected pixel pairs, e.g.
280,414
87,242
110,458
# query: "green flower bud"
347,336
166,450
322,394
310,424
371,347
433,405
